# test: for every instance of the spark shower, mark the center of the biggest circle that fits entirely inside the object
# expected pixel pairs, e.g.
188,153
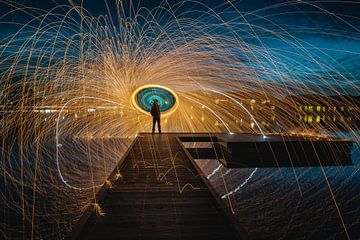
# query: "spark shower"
69,79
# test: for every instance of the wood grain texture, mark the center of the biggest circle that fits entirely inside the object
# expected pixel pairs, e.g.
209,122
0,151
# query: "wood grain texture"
160,196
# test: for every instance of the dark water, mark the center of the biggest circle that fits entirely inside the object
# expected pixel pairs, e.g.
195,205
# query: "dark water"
34,201
292,203
270,203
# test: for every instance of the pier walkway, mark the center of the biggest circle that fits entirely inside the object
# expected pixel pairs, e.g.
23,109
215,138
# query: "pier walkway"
157,193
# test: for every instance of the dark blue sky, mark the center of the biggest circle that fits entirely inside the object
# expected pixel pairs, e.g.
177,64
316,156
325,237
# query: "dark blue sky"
328,30
284,12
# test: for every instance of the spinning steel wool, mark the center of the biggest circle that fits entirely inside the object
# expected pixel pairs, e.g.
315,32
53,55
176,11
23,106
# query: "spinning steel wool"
76,89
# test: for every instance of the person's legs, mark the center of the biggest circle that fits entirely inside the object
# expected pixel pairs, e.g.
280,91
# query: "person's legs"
159,126
153,127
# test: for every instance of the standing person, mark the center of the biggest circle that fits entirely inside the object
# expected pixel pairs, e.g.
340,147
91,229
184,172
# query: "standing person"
155,113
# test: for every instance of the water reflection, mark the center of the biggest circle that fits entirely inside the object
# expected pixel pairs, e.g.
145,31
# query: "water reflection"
291,203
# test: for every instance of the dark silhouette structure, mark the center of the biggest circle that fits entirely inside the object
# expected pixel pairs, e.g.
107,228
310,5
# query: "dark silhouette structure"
155,113
254,151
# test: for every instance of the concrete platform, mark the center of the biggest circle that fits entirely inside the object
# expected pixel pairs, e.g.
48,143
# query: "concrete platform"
251,150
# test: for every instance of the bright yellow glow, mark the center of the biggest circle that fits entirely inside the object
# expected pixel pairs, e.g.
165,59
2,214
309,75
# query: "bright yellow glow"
163,114
203,69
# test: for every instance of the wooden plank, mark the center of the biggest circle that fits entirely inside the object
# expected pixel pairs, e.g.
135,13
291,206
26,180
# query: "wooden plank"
77,227
241,233
161,196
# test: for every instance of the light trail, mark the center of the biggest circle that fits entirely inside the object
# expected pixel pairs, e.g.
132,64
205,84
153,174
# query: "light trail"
240,186
214,171
66,74
243,107
59,145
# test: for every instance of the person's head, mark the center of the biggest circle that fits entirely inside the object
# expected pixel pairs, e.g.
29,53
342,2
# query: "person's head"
155,101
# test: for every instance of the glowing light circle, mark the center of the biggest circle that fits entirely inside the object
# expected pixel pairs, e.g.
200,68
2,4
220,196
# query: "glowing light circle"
143,98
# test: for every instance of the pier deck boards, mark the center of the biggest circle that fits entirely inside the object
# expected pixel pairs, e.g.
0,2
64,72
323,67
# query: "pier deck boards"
160,196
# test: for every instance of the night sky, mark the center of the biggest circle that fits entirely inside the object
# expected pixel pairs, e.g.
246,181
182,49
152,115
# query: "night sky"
329,30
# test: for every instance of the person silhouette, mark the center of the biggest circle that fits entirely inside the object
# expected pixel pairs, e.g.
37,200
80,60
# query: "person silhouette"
155,113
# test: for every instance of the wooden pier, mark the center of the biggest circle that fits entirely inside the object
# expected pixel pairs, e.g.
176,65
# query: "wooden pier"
157,193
